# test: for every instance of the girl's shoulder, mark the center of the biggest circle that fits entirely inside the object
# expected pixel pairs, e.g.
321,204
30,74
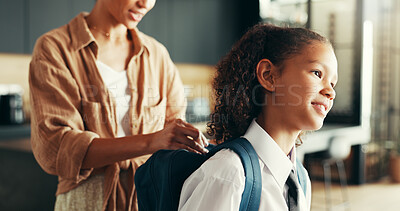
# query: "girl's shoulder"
224,165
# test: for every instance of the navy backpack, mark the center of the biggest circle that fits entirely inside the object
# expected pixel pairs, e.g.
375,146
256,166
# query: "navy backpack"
159,181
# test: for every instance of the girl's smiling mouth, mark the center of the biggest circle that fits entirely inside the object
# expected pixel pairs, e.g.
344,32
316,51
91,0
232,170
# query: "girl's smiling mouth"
322,108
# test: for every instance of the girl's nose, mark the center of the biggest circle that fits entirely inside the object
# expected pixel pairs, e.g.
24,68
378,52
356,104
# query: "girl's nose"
329,92
143,3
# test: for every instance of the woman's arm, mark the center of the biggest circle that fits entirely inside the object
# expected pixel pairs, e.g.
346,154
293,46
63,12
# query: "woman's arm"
176,135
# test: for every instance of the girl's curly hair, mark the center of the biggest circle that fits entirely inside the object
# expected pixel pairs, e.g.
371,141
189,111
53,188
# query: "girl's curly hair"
239,95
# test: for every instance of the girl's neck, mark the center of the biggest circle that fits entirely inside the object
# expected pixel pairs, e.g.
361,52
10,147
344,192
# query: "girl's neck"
280,133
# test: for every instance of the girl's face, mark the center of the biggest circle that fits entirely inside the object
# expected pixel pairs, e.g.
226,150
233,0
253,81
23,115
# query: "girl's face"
304,91
129,12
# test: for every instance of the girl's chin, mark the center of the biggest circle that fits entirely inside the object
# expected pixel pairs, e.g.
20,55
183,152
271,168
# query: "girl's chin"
319,125
316,125
318,122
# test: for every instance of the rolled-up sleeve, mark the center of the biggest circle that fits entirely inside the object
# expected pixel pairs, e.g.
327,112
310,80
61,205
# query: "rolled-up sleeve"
58,137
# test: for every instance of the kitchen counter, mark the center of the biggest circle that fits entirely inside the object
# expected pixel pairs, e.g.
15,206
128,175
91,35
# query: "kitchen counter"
15,137
10,132
17,144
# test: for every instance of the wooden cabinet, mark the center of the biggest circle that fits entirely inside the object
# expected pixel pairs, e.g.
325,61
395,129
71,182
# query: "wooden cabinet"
23,184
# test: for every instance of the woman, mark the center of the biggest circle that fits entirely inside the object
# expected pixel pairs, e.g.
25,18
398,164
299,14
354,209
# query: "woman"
275,83
101,93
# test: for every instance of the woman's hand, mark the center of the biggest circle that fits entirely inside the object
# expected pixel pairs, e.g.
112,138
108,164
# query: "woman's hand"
176,134
179,134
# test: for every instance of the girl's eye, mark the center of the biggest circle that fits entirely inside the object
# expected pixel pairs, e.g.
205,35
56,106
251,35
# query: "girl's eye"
317,73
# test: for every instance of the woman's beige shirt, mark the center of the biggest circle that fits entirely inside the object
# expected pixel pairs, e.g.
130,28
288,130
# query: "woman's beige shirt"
71,105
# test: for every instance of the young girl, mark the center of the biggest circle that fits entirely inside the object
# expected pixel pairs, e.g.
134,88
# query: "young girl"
275,83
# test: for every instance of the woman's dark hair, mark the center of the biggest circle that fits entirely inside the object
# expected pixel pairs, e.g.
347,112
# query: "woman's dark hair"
239,95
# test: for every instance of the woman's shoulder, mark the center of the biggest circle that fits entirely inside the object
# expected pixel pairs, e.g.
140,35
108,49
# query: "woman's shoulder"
55,35
150,42
66,38
51,41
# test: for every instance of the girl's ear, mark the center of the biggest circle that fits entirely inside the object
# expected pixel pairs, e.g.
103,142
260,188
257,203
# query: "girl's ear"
265,74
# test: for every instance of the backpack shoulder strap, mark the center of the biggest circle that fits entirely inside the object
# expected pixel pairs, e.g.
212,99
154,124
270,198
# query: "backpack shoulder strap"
252,191
302,176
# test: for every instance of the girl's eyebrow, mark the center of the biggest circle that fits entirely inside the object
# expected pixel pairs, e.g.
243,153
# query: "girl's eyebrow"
317,62
325,67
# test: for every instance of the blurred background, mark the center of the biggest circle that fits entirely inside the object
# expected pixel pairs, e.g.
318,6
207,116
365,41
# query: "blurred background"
353,161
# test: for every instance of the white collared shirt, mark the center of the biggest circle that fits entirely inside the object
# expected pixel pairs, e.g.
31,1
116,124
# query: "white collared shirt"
219,183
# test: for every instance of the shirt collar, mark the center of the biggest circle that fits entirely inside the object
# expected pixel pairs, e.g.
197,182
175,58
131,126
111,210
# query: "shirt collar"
80,33
270,153
292,156
81,36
